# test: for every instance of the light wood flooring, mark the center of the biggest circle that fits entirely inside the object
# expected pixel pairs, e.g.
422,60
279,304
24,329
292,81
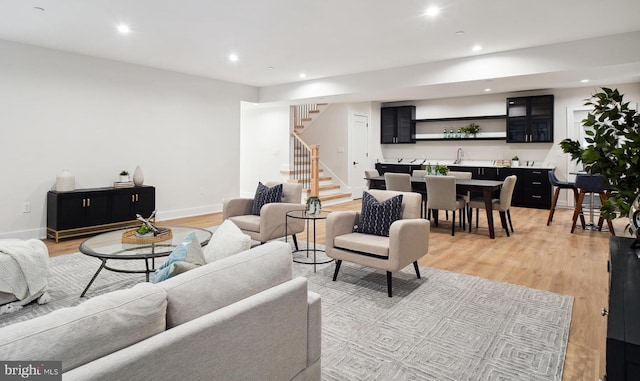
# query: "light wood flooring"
536,256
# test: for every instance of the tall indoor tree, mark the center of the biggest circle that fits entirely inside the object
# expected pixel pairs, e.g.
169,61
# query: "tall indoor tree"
613,149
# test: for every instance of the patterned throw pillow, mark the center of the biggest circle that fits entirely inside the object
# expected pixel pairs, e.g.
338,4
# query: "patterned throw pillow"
265,195
376,217
189,250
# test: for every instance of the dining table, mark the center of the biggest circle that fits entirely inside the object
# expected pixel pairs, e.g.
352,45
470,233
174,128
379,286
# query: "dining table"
486,187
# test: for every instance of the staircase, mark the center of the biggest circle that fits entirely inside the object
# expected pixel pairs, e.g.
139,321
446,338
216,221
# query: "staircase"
306,160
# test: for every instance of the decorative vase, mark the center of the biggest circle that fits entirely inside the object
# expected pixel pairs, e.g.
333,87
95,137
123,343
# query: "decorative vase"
314,206
65,181
138,176
124,178
515,163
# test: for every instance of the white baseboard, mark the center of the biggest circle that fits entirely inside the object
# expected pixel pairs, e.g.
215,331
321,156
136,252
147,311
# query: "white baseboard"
190,212
39,233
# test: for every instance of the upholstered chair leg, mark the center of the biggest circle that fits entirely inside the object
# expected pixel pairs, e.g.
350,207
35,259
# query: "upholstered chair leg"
503,221
453,223
295,241
575,199
509,217
435,216
389,283
335,273
415,266
470,218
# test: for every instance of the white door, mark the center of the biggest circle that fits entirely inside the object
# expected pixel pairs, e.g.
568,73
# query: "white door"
358,156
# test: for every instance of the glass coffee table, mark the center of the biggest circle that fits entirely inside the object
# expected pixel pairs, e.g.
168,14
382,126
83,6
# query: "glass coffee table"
109,246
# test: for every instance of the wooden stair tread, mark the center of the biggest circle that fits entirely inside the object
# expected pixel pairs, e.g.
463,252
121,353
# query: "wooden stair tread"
323,187
290,172
322,178
334,196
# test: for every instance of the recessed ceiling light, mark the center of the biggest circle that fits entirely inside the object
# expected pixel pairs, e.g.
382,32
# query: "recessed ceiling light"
233,57
584,80
460,32
476,48
303,75
487,89
432,11
123,29
270,67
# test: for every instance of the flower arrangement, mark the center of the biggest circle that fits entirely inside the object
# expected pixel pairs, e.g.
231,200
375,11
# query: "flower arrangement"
442,169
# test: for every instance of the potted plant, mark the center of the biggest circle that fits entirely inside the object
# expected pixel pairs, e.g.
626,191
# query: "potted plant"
515,161
314,206
124,176
613,149
442,170
472,129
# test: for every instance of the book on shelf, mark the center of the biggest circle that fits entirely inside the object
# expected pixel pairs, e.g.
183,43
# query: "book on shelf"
123,184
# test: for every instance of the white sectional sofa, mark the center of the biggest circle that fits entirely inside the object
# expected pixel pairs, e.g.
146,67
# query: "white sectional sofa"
240,318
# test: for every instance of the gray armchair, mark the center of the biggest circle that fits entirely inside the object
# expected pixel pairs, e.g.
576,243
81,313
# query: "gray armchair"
271,223
407,242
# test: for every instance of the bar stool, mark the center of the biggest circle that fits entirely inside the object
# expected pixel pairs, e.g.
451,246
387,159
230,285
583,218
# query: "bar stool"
558,184
590,184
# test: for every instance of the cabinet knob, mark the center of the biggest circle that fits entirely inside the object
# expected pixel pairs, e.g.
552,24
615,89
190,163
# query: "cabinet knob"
604,312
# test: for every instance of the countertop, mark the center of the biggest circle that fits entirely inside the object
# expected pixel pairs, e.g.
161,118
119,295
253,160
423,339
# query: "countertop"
470,163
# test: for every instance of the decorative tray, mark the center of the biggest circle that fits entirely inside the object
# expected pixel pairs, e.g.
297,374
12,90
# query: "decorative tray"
130,236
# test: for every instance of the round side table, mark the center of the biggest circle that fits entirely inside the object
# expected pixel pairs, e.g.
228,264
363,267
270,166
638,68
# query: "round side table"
310,220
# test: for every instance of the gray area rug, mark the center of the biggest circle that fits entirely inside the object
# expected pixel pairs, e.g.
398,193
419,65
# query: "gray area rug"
444,326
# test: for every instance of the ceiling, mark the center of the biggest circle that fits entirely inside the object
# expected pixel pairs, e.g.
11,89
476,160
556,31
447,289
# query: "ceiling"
276,40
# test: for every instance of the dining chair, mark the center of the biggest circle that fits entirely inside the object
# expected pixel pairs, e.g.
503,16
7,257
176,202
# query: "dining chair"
502,204
463,176
559,185
442,196
369,173
400,182
422,189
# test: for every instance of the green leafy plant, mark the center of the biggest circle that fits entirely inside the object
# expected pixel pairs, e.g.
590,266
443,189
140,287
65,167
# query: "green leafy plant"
471,129
124,173
516,158
442,169
613,149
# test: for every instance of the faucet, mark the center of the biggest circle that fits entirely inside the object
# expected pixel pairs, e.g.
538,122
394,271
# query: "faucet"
459,156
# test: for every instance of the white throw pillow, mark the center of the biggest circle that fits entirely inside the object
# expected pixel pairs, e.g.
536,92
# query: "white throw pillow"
227,240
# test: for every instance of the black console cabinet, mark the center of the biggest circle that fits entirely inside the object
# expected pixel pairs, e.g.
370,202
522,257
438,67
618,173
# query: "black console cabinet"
86,211
530,119
623,330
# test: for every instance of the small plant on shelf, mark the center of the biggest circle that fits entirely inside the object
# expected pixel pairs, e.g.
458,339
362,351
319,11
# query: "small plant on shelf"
472,129
124,176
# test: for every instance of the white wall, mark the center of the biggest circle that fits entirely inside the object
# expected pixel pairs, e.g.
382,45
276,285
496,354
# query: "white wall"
97,117
264,145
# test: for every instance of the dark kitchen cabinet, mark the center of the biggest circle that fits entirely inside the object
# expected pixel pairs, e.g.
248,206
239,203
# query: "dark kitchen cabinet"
530,119
397,125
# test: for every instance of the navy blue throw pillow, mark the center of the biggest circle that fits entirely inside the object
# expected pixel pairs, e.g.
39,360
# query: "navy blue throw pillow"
376,217
265,195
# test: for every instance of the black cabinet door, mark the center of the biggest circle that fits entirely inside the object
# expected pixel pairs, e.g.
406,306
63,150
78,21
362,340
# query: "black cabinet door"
145,201
128,202
80,209
388,125
70,210
397,124
122,205
530,119
406,132
96,211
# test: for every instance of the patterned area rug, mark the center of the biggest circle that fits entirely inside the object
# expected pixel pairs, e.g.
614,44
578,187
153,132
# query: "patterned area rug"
444,326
